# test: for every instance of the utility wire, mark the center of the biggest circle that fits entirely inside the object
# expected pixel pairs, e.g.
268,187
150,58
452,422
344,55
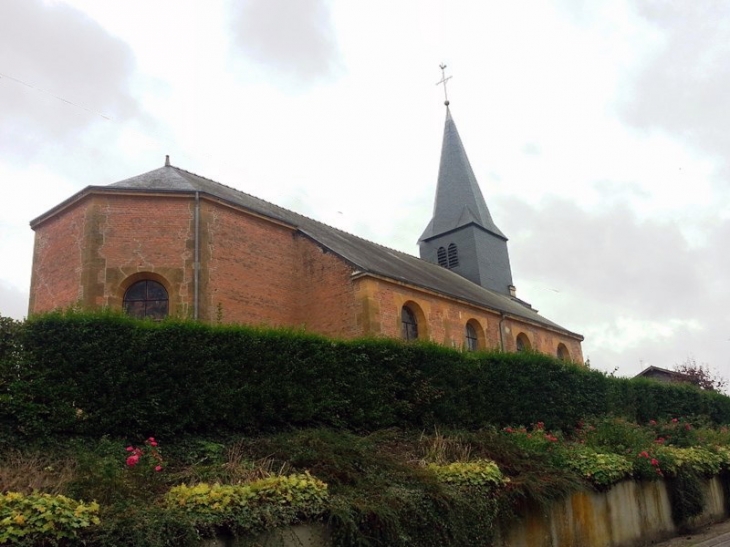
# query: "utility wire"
54,96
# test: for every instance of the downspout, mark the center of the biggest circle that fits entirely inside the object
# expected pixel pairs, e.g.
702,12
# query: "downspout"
501,331
196,259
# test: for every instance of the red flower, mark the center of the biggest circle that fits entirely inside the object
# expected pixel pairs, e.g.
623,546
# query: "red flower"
539,425
660,440
654,462
133,460
508,430
643,454
158,468
130,449
652,422
153,443
674,420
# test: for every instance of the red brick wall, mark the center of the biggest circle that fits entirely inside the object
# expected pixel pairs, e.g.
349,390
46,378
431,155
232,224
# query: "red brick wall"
90,253
444,321
56,275
325,293
141,236
248,269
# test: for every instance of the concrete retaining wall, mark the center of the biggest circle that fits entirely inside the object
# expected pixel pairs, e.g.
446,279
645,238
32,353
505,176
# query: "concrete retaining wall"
631,514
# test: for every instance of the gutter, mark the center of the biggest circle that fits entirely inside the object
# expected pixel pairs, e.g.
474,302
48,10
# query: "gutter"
196,259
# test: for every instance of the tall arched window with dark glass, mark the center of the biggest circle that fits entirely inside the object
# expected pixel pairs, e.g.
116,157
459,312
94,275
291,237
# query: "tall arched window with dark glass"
409,324
472,342
146,299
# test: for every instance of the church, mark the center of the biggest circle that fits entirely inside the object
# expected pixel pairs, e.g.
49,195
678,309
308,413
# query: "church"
173,243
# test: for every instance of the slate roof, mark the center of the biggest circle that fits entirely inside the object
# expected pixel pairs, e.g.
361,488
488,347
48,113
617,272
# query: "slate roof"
363,255
459,201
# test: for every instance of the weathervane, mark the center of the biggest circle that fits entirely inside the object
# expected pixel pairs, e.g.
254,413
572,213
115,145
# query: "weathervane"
444,79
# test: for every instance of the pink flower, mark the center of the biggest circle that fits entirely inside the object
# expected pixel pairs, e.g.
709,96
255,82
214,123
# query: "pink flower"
133,460
158,468
153,443
674,420
130,448
643,454
151,439
654,462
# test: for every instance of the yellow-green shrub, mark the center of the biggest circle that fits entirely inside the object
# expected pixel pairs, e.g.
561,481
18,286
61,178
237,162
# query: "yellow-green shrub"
602,470
265,503
475,473
698,460
43,516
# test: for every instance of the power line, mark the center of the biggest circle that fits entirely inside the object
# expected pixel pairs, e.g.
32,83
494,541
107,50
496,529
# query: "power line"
54,95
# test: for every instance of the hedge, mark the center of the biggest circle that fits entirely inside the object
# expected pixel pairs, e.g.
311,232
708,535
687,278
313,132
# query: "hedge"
103,373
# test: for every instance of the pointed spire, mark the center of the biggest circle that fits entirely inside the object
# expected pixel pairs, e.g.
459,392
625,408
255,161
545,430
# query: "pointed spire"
459,201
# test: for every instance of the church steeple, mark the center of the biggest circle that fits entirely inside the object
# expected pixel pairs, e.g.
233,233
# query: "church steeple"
461,234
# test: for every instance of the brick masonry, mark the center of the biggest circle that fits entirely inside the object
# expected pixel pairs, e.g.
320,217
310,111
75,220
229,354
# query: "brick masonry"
253,270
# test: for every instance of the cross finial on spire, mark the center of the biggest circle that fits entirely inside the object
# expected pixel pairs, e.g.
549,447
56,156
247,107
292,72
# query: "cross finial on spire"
444,79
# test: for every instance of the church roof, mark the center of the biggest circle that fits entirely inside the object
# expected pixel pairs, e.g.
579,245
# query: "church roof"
459,201
365,256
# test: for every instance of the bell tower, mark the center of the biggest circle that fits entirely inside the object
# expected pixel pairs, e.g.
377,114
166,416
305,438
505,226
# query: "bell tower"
461,235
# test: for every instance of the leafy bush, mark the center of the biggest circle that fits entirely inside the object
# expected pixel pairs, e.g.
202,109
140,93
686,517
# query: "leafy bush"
696,460
477,473
266,503
26,519
602,470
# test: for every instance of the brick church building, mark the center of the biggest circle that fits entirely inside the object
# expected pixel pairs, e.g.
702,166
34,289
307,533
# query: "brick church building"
170,242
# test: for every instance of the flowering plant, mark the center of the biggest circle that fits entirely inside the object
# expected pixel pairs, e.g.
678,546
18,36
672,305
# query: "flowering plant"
150,456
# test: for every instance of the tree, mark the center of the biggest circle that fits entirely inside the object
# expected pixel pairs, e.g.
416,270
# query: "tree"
702,375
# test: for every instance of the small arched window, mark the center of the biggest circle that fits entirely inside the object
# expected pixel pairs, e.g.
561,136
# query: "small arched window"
453,255
441,253
409,325
146,298
563,353
523,342
472,341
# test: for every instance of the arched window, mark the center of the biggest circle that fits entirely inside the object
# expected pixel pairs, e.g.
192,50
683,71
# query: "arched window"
523,342
409,325
472,341
453,256
146,298
563,353
442,257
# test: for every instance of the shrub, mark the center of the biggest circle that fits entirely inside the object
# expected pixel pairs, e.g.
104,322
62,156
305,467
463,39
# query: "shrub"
80,370
477,473
41,517
266,503
601,470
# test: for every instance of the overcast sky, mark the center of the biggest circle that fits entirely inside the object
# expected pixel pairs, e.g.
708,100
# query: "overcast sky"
598,131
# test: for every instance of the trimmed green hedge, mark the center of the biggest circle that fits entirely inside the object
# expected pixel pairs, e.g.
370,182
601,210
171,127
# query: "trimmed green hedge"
102,373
